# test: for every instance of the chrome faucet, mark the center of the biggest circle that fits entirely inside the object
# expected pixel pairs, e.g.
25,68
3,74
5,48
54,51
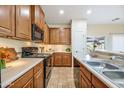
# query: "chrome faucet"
117,57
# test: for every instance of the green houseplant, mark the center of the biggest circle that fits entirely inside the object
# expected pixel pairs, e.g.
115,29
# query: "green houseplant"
3,56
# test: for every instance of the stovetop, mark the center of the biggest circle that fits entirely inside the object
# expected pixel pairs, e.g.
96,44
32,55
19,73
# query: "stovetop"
37,55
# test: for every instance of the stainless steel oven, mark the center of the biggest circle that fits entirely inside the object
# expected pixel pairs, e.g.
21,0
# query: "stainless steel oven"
47,69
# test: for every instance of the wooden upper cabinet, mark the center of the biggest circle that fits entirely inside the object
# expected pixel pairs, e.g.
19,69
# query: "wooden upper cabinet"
23,21
67,59
7,20
60,36
38,16
65,36
46,34
54,36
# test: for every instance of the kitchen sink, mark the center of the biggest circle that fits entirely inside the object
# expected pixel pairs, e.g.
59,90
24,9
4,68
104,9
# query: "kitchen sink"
114,74
102,65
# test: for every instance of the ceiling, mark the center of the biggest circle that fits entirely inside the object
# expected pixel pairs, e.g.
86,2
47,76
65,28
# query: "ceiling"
101,14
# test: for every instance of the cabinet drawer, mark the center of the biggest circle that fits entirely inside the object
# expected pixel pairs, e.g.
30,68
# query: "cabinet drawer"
20,82
86,72
97,83
87,81
38,67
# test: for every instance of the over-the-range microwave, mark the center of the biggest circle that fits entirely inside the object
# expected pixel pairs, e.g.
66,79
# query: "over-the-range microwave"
37,33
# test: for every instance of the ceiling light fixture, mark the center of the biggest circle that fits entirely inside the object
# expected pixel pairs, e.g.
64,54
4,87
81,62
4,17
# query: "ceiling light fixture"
89,11
61,12
115,19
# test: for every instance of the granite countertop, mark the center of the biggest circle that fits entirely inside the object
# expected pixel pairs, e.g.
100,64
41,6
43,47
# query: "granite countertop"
97,72
16,69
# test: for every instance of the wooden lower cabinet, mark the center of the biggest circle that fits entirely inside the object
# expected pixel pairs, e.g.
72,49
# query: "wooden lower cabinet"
34,78
29,84
85,82
62,59
23,81
98,83
85,77
57,59
39,76
67,59
89,80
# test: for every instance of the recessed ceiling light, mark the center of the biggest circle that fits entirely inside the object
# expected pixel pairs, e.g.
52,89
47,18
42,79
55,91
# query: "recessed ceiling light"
89,11
61,12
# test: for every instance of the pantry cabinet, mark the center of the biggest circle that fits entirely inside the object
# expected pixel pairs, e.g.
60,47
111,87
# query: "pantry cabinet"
23,21
60,36
62,59
7,20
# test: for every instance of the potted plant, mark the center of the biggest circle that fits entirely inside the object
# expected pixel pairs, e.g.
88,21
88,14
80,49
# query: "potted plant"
3,57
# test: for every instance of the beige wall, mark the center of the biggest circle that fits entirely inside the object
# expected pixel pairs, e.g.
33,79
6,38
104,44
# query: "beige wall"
105,30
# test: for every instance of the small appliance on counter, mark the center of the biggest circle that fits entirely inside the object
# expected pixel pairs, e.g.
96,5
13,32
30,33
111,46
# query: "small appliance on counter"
32,52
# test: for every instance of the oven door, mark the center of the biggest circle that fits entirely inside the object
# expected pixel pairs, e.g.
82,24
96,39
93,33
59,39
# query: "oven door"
48,69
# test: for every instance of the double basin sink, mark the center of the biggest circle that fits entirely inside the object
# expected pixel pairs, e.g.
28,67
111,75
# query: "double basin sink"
109,70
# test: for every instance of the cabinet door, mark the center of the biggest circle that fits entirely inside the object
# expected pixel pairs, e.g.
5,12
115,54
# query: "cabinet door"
29,84
54,36
37,16
66,59
23,21
65,36
7,20
97,83
39,79
83,83
57,59
42,17
46,34
22,81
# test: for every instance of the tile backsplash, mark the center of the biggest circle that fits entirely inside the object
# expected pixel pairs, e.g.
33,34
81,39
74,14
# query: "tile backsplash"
57,48
4,42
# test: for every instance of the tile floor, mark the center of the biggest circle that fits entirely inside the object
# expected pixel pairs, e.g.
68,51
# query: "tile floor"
61,77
